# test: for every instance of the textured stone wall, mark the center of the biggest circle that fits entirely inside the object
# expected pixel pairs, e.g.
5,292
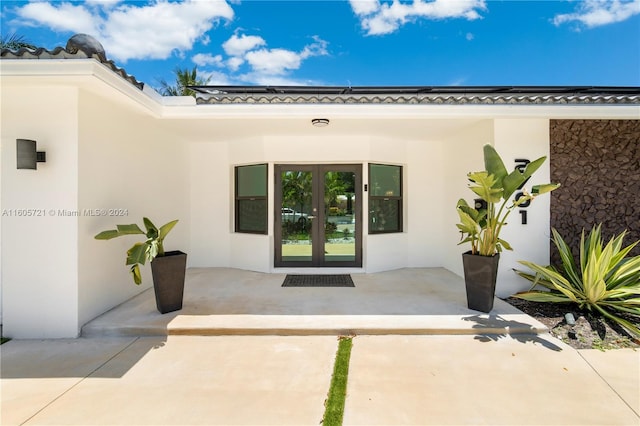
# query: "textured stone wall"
598,164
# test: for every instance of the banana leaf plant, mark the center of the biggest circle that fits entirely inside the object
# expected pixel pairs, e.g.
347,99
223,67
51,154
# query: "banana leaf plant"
140,252
480,226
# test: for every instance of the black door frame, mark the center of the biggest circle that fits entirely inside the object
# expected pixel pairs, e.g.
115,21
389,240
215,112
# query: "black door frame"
317,256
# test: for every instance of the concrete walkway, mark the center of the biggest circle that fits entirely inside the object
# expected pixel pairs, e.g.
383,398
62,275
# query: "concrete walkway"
279,380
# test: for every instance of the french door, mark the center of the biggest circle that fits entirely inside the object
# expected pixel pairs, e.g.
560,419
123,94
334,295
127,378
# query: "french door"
318,217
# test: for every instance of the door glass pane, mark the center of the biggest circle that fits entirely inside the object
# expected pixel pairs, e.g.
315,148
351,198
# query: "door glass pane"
339,217
297,217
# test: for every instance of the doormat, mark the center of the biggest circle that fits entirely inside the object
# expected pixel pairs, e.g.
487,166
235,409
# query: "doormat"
318,281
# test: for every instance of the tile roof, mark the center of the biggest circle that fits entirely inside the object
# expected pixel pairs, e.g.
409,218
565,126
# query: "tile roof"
435,95
79,46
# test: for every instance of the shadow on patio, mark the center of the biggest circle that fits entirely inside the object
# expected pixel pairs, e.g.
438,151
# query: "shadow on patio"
222,301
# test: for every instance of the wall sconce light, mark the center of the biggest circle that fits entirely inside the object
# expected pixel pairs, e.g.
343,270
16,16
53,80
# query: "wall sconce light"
320,122
28,157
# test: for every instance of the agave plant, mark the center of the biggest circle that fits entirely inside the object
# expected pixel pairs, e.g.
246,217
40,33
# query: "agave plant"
604,280
141,252
481,227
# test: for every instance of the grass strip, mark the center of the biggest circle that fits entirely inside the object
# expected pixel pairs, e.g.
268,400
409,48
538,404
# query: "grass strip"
4,339
334,407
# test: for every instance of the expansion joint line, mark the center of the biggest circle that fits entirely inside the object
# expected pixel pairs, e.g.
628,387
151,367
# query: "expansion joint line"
82,379
607,383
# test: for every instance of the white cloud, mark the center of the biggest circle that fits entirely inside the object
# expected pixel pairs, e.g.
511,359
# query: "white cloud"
460,81
152,31
64,17
364,7
383,18
264,62
594,13
248,60
273,61
105,4
215,78
317,48
469,36
204,59
272,80
238,46
235,63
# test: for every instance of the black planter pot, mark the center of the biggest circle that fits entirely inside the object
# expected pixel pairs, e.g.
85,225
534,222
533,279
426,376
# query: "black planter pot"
480,273
168,280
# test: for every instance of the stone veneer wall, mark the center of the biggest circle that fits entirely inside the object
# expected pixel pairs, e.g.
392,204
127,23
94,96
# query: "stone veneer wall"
598,164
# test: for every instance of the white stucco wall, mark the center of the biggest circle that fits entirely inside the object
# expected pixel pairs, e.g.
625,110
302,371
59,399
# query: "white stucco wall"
40,253
462,154
210,204
524,139
424,175
107,164
130,166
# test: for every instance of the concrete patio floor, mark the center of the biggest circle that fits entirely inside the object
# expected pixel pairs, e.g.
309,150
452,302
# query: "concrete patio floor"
220,301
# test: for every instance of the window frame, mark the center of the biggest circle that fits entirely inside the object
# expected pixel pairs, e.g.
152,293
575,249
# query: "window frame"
238,199
399,199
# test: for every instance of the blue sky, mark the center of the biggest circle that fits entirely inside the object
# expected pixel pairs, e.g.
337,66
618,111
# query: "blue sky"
352,43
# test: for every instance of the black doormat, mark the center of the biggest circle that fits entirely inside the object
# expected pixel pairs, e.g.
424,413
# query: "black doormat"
318,281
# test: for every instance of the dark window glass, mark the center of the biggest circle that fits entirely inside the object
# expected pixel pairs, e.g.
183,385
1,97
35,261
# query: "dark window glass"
385,198
251,216
384,181
251,199
252,181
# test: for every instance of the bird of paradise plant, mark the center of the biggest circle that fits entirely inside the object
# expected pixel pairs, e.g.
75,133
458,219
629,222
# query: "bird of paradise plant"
481,227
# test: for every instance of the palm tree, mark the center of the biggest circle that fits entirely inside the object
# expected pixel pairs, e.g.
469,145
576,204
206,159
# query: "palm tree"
184,78
15,42
339,183
296,189
333,186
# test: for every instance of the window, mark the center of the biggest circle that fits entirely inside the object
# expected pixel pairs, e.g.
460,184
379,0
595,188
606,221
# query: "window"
251,199
385,198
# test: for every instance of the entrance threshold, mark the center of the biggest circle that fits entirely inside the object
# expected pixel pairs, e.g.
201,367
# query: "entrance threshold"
318,271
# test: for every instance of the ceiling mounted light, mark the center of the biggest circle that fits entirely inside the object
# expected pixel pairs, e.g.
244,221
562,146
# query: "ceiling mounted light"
320,122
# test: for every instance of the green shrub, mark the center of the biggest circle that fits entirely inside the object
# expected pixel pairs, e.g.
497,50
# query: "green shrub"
605,280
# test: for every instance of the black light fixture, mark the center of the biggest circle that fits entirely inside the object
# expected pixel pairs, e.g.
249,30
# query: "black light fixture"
27,155
320,122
